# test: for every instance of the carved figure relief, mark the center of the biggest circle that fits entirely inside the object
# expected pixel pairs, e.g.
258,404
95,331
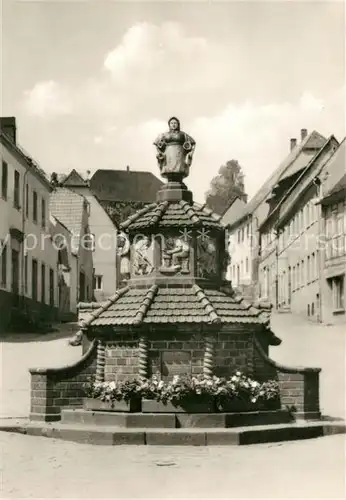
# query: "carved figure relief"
175,255
174,150
123,250
206,257
143,258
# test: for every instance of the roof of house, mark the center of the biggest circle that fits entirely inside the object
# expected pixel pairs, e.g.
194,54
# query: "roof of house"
233,210
74,179
298,158
179,214
336,172
68,207
125,185
301,183
32,165
136,306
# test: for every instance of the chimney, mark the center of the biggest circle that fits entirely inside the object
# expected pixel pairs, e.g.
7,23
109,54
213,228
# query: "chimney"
127,168
293,143
303,133
8,127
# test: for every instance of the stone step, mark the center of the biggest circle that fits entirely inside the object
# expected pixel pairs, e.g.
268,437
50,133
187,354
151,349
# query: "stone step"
174,420
111,435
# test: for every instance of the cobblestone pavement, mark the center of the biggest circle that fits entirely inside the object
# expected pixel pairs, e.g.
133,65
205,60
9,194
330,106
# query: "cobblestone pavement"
37,467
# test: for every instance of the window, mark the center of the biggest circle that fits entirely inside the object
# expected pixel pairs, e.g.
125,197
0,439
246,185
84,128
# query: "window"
242,234
4,180
26,274
98,282
16,197
51,287
238,235
43,210
294,278
302,222
308,271
43,283
247,265
34,206
338,293
3,249
34,279
298,275
27,200
248,230
302,272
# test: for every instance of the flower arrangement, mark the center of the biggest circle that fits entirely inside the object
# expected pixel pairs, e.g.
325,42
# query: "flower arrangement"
112,391
186,389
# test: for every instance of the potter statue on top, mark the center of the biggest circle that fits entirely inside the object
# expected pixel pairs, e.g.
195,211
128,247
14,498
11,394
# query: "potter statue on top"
175,150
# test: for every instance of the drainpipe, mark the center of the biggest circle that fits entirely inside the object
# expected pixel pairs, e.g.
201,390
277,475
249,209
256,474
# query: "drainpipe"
24,202
317,183
277,270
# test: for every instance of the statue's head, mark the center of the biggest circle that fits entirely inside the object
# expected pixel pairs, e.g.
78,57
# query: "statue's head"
174,124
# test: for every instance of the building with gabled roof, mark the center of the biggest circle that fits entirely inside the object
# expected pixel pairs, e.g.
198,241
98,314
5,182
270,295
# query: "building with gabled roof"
28,261
72,210
113,195
333,228
289,236
243,231
104,234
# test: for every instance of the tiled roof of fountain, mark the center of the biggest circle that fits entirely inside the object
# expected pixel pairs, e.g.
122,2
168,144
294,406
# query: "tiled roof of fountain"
179,213
135,306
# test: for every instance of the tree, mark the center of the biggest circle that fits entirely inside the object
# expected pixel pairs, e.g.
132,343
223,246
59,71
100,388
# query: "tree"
225,187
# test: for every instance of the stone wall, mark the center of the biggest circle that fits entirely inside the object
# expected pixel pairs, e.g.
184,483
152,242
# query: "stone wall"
299,387
179,352
57,388
118,358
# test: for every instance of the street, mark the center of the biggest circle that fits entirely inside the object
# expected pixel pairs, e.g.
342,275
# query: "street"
37,467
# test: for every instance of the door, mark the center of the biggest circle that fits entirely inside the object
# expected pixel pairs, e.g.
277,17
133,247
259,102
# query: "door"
81,286
15,275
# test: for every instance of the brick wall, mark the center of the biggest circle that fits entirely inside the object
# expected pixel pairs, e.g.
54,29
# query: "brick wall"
179,352
53,389
299,387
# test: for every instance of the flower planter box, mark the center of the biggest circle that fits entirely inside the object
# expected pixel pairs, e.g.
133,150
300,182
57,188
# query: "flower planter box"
152,406
93,404
236,405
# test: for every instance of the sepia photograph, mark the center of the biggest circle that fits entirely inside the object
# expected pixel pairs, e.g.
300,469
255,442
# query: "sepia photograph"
173,249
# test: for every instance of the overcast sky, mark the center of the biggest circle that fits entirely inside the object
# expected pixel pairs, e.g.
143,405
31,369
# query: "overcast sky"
92,83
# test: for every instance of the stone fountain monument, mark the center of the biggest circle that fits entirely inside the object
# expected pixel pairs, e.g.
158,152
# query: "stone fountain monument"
174,314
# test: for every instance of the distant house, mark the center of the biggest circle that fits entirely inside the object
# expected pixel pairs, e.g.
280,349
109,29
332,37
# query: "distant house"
333,227
244,229
237,253
123,192
72,211
67,268
104,232
113,196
